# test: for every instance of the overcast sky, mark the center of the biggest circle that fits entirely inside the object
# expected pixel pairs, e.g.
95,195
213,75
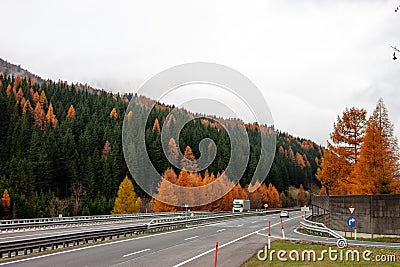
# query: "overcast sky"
310,59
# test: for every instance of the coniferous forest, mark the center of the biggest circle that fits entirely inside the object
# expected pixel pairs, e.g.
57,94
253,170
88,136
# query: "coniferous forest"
61,147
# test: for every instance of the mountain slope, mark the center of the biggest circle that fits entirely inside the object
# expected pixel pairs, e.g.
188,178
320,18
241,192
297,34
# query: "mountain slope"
61,150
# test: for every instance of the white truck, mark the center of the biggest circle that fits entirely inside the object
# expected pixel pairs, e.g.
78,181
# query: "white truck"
240,205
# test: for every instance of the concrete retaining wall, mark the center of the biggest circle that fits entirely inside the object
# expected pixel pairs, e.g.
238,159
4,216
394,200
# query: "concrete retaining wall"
375,214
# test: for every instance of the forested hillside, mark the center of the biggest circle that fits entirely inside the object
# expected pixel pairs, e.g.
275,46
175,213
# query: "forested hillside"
61,150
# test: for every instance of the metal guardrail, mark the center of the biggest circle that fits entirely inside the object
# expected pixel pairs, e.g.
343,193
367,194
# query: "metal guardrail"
37,244
319,227
41,223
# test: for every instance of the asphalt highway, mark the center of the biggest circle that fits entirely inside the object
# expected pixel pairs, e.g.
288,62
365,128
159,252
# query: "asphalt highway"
238,240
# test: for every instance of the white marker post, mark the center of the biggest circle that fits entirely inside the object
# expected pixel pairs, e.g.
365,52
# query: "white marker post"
355,231
283,231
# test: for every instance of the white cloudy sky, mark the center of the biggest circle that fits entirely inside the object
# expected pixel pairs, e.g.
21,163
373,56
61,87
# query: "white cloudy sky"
311,59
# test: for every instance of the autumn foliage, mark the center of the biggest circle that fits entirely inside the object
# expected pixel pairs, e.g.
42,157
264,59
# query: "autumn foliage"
262,195
50,117
6,201
126,201
363,157
71,112
113,114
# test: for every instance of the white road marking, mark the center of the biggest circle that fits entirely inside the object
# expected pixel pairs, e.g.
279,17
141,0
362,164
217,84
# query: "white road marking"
254,222
101,245
227,244
193,237
240,225
136,252
220,230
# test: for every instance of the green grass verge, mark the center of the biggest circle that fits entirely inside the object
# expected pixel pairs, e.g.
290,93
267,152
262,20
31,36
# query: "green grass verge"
378,239
300,246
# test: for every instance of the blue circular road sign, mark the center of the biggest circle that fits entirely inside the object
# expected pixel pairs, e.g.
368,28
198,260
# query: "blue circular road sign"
351,221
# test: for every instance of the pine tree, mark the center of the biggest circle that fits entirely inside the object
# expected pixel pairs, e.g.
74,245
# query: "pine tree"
274,196
342,154
125,203
27,107
36,97
156,127
106,149
301,197
170,176
43,99
173,151
50,117
6,201
113,114
282,199
377,171
8,90
129,116
71,112
19,96
322,192
188,162
165,195
185,195
39,115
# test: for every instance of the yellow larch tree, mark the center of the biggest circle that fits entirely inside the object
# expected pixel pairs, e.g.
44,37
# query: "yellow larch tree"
126,201
377,171
343,152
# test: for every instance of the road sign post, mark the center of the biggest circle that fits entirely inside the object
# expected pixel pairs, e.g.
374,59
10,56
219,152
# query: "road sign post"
352,209
351,221
305,209
265,206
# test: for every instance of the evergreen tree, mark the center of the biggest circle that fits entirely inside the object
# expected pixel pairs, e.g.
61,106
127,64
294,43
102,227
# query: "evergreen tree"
125,203
377,171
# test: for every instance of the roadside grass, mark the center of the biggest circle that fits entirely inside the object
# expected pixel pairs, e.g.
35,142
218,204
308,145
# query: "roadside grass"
308,232
378,239
300,246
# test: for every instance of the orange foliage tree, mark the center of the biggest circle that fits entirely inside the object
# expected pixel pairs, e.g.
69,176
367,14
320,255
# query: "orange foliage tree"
39,115
188,162
6,201
50,117
301,197
377,171
165,192
113,114
71,112
322,192
343,151
156,126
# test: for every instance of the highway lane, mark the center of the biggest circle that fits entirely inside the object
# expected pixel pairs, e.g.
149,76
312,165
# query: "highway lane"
238,240
25,235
